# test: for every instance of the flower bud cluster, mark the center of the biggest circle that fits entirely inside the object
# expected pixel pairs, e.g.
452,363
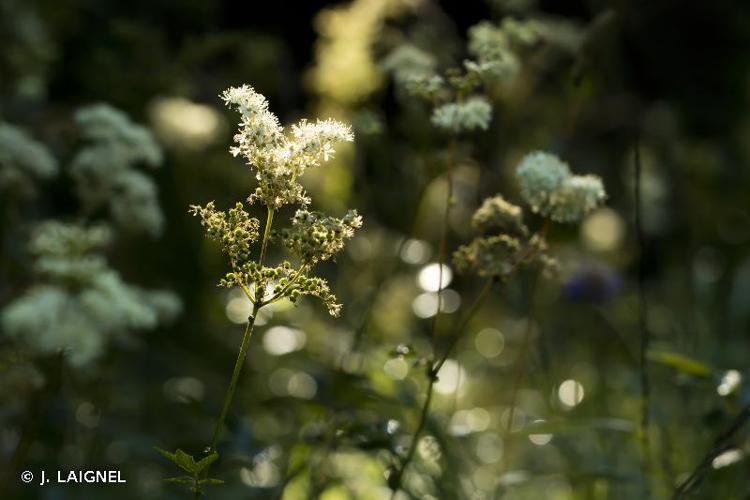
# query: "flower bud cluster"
234,229
315,237
503,245
497,214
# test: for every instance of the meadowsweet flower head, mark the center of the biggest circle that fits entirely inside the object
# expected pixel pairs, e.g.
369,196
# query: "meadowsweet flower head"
471,114
496,48
577,196
539,175
551,190
105,170
106,126
503,245
521,33
488,42
68,253
488,257
79,302
498,214
23,162
277,158
407,62
430,88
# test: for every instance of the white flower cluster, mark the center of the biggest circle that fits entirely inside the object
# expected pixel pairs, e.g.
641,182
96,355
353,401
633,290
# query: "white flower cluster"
551,190
80,303
408,62
279,159
23,162
105,172
463,116
496,48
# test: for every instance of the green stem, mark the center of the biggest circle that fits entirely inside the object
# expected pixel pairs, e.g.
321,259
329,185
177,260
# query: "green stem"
444,233
432,372
244,346
235,377
266,234
518,376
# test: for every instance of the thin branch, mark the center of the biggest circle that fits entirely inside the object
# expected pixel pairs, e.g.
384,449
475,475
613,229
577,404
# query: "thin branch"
432,378
721,444
292,280
444,233
642,318
266,234
519,372
239,363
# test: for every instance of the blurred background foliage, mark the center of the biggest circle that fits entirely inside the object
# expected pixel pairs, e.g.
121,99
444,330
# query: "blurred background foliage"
325,405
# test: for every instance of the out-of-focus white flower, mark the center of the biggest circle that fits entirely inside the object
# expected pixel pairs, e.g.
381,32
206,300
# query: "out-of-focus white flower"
551,190
472,114
23,162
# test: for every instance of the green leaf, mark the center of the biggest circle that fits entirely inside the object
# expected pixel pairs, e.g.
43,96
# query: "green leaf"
185,461
210,480
681,363
181,480
206,461
182,460
164,453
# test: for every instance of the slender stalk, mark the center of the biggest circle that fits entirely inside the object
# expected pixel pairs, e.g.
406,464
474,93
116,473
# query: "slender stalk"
244,346
399,473
519,372
721,444
280,294
444,233
470,314
432,378
525,345
266,234
257,301
235,377
642,320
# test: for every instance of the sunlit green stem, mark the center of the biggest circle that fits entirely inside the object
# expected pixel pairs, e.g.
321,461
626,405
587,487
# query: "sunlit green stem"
235,376
266,234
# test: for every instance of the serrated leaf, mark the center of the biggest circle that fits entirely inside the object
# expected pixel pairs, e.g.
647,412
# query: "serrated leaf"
185,461
681,363
210,480
180,480
206,461
181,459
166,454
